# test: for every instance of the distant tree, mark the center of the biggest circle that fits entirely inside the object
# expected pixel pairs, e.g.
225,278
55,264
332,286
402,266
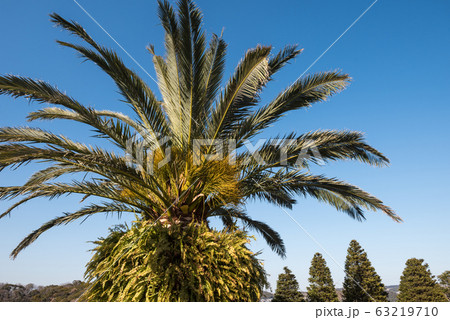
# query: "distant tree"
62,293
321,287
287,288
417,284
30,287
361,283
14,292
444,279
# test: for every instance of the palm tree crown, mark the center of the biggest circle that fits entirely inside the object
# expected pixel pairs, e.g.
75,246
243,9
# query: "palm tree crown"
204,126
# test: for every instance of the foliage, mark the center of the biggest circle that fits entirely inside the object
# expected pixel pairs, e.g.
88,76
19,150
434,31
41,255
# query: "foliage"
361,283
178,263
417,284
321,288
287,288
15,292
31,293
193,107
444,281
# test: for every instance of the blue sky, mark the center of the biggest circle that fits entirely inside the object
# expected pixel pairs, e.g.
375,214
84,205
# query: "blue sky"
397,55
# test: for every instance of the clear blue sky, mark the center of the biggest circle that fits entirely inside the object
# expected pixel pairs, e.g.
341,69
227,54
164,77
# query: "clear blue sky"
397,55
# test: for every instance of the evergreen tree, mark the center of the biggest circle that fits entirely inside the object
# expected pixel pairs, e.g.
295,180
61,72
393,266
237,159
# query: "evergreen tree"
321,287
287,288
445,283
361,283
417,284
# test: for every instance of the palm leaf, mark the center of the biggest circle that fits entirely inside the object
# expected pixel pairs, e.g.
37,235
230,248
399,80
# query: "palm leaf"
131,86
272,237
298,151
69,217
240,93
301,94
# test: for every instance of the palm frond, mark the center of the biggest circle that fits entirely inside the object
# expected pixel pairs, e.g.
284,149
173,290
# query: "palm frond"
191,58
168,71
283,57
135,91
272,238
100,189
304,92
240,93
105,164
313,147
51,173
69,217
41,91
343,196
36,135
214,65
265,188
52,113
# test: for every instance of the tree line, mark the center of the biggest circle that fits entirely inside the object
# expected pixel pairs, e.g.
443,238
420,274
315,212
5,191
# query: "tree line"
362,283
32,293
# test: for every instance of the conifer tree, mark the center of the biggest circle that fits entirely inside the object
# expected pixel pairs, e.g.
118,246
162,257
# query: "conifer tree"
321,287
417,284
444,279
287,288
361,283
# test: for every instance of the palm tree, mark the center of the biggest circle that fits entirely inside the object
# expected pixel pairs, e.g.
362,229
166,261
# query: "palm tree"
205,127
